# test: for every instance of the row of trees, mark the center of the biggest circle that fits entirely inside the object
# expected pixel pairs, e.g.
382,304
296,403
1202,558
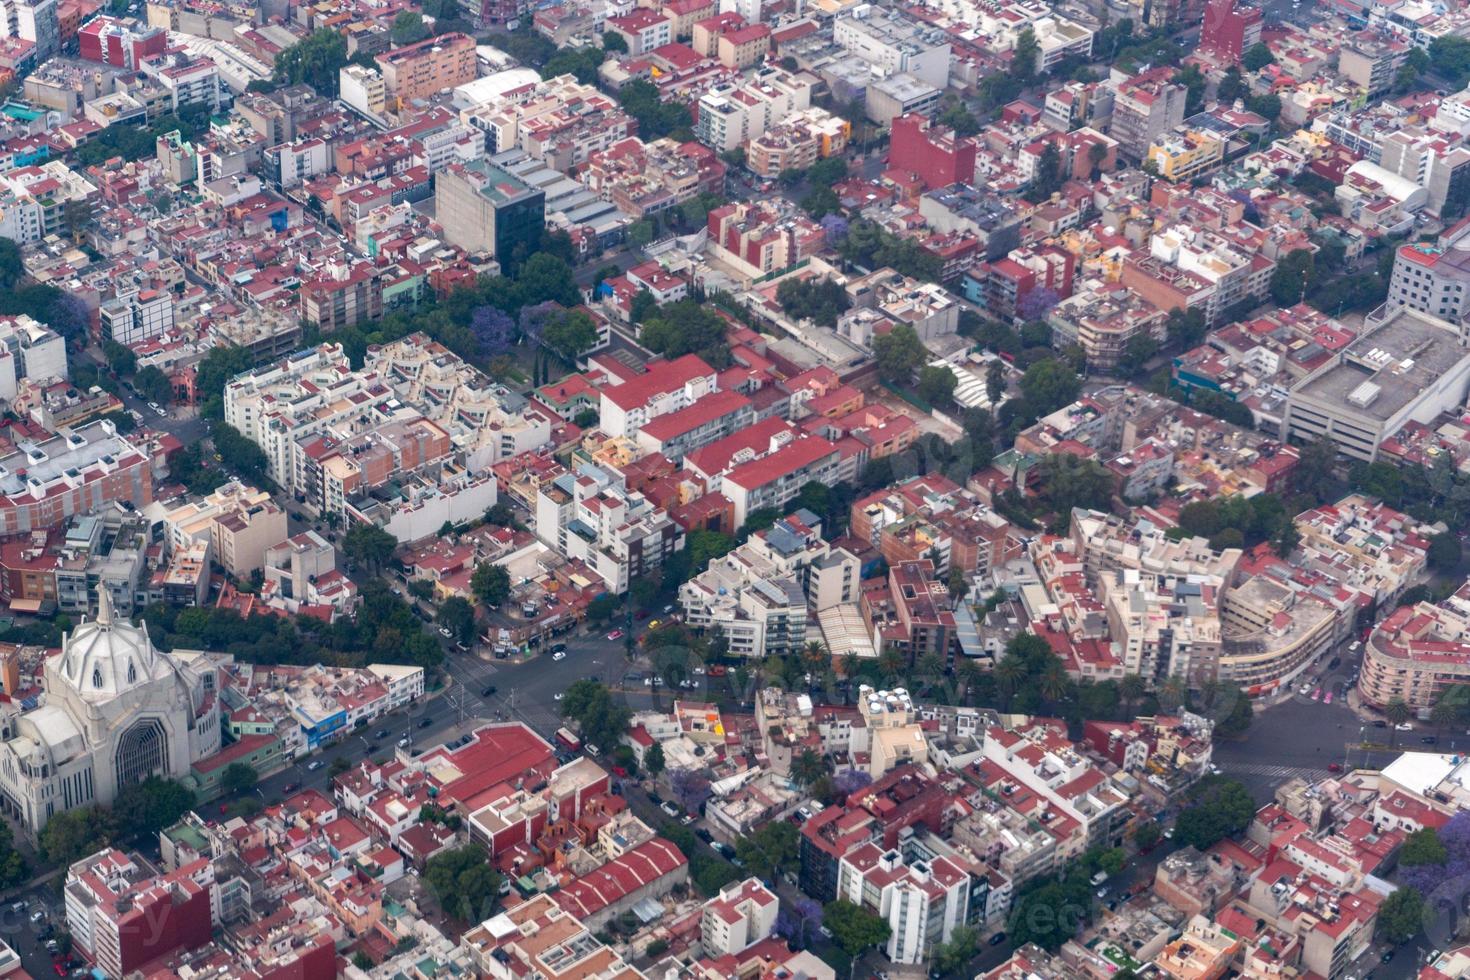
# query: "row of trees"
138,813
383,631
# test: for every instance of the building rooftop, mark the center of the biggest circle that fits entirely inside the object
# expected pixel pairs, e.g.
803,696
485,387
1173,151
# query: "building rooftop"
1388,367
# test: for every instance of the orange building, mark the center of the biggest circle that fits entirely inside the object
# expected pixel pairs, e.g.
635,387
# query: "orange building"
417,71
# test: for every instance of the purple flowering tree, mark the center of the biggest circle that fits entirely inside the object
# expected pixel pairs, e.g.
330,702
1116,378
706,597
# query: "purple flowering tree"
690,788
1037,303
849,781
799,921
835,226
535,317
493,329
1427,878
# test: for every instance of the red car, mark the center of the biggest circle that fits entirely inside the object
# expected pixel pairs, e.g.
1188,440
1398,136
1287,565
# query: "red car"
1334,767
60,968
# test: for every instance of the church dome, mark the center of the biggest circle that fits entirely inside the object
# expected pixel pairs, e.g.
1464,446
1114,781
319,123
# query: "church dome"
106,657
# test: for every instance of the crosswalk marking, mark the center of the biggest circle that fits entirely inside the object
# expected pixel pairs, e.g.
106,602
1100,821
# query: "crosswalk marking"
1284,772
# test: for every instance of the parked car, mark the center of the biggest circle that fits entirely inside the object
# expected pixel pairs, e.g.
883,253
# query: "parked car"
670,809
997,939
559,655
313,765
426,723
488,691
615,635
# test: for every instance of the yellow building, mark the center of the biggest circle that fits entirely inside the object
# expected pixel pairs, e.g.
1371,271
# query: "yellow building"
1184,156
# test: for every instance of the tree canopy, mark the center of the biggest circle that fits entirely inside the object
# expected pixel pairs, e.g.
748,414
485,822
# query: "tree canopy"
687,327
899,354
464,882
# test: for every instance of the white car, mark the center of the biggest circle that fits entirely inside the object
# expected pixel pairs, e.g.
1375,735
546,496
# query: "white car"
559,655
1405,727
403,742
445,632
313,765
669,808
556,696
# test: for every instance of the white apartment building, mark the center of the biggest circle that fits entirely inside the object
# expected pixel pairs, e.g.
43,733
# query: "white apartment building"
30,351
363,89
923,901
732,114
136,315
485,420
1049,765
618,533
35,21
275,405
891,42
666,387
741,915
759,594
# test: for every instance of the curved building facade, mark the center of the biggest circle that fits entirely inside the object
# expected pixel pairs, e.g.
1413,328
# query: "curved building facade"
116,712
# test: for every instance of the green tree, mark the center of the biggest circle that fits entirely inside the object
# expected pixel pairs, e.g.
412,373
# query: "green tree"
1024,56
1147,835
362,961
1450,56
120,359
1136,354
314,60
369,545
769,848
854,928
1293,277
951,957
490,583
569,333
1049,176
705,546
464,883
143,809
653,760
1256,57
899,353
807,768
687,327
1444,553
1048,385
603,720
1236,712
614,42
458,616
153,385
937,384
238,777
1423,847
1401,916
995,381
1219,808
1047,916
408,28
1066,482
820,300
71,835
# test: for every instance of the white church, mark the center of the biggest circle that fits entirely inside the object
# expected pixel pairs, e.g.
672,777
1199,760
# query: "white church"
116,711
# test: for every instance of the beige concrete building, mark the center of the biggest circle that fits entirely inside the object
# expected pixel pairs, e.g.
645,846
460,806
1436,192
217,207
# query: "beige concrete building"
237,522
